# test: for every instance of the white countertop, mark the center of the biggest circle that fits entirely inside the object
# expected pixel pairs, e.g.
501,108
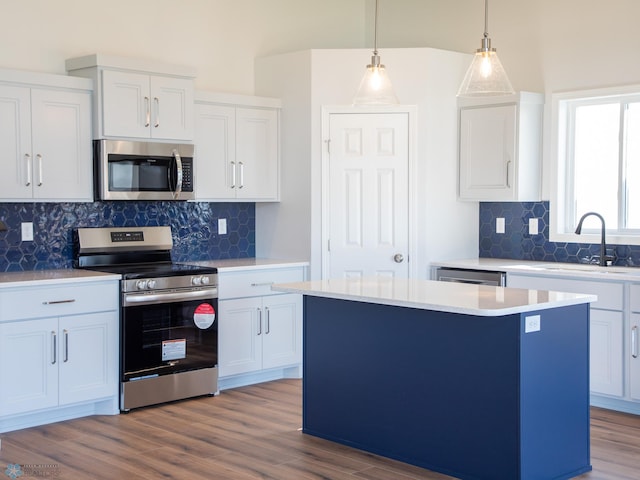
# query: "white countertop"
239,264
578,270
481,300
44,277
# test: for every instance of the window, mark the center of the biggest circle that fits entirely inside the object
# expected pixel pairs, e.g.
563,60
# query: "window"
597,167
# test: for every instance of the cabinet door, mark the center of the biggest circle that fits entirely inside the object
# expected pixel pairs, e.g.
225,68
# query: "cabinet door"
634,364
172,108
215,152
257,154
88,357
62,153
605,352
15,139
240,333
282,338
126,104
29,358
487,152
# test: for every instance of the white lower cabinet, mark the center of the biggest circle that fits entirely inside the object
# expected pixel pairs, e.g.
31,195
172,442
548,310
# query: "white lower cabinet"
634,342
59,364
259,333
260,330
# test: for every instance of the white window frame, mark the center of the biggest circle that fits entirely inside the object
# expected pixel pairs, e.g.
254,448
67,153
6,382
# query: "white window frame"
559,231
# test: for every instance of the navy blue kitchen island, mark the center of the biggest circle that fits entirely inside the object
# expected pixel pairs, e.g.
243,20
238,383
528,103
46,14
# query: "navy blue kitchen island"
476,382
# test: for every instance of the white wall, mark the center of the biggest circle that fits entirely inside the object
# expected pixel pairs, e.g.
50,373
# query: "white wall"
220,38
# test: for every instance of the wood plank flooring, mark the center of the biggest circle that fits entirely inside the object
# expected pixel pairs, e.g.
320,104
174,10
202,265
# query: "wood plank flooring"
243,434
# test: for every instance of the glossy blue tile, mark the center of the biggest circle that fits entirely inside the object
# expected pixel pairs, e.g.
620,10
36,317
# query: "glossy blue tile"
193,224
517,243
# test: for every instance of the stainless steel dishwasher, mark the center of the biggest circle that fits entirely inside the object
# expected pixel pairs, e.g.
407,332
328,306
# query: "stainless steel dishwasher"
478,277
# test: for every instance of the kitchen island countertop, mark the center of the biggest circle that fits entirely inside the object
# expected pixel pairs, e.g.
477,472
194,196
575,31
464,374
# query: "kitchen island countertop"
481,300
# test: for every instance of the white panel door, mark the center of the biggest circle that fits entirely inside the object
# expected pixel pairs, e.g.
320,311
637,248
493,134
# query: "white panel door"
368,195
172,106
634,364
29,359
15,139
126,104
282,338
605,352
61,136
240,332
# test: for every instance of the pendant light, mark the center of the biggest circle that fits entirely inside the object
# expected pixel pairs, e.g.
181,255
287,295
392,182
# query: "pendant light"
485,76
375,87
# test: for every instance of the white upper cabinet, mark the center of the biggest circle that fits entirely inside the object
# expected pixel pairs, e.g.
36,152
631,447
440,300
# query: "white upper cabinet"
237,148
46,138
138,99
500,145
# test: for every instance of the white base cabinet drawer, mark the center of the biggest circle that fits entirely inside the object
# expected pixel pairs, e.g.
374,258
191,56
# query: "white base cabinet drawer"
610,294
55,301
255,283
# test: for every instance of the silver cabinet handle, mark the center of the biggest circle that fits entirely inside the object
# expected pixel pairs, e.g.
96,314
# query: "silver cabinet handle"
241,174
263,284
147,107
40,177
266,309
66,345
233,174
55,302
156,100
53,350
178,189
508,183
27,158
398,258
259,321
634,342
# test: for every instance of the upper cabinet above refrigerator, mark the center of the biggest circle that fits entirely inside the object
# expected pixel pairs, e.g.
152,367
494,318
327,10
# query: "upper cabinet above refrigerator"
500,147
138,99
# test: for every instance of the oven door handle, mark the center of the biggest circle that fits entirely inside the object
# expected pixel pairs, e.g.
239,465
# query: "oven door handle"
169,297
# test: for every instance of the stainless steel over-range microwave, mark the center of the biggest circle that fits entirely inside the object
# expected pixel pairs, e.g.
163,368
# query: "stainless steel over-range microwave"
127,170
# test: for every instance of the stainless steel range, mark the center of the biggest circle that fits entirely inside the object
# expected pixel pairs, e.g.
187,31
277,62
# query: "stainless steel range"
168,324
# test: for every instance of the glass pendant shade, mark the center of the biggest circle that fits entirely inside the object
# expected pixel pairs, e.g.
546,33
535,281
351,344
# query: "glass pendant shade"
375,87
485,76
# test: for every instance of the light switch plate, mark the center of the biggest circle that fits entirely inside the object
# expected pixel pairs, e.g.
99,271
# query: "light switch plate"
27,231
222,226
500,225
533,226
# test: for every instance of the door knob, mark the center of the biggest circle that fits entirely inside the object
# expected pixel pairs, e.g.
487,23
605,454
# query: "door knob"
398,258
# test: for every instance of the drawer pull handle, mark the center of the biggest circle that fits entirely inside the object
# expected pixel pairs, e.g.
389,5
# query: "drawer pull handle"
66,345
634,342
263,284
259,321
266,309
55,302
54,349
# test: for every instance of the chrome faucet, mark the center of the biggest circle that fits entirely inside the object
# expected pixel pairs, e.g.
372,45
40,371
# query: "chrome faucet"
604,258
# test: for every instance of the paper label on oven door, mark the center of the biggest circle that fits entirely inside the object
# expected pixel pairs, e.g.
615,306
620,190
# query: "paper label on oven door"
174,349
204,316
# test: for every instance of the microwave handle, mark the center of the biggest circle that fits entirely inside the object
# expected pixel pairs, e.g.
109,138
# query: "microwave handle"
178,189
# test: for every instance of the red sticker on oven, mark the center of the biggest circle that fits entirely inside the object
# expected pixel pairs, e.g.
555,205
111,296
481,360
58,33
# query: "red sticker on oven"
204,316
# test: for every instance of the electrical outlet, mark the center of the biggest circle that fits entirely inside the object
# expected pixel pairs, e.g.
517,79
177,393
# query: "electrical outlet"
500,225
532,323
533,226
222,226
27,231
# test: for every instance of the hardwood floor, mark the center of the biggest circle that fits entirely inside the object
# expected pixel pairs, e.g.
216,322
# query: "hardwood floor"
247,433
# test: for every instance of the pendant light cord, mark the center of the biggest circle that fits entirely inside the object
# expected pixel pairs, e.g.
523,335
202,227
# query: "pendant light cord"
486,18
375,29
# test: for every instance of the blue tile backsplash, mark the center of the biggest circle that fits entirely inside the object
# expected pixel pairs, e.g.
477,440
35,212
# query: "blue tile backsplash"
516,243
193,225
